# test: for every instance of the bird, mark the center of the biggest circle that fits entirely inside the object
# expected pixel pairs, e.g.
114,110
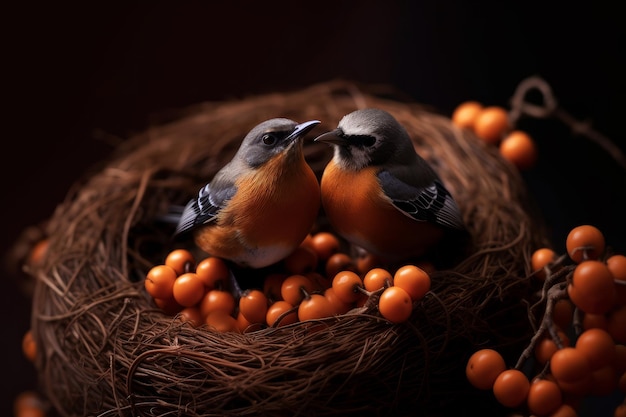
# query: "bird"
261,205
380,195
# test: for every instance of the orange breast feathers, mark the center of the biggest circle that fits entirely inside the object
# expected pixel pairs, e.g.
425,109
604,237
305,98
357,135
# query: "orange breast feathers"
359,210
271,213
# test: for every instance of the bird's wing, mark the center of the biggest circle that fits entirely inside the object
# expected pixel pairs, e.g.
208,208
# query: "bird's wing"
428,202
204,208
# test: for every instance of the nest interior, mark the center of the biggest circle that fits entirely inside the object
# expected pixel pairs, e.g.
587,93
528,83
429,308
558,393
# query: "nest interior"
105,349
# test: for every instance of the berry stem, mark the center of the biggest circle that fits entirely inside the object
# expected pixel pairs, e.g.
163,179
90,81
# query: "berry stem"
362,290
552,279
280,318
555,293
544,371
577,321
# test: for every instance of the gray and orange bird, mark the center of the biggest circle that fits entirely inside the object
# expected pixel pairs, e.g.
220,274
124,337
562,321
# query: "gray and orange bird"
379,194
260,206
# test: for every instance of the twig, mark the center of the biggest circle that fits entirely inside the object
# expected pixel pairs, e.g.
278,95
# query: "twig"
555,293
550,108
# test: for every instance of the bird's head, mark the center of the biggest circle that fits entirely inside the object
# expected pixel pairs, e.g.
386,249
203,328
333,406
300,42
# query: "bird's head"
271,138
369,137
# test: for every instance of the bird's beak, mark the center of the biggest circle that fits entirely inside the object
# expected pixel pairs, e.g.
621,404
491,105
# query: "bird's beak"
302,129
333,137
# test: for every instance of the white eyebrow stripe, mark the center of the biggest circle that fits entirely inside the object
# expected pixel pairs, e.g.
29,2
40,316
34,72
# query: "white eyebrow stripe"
360,129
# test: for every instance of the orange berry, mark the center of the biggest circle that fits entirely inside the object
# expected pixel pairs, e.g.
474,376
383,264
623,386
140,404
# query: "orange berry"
320,282
188,289
315,307
519,149
283,311
604,381
168,305
339,306
511,388
597,346
181,261
325,244
38,252
271,286
415,281
577,388
483,367
345,285
569,365
547,347
465,114
395,305
244,326
29,347
28,404
302,260
592,289
367,262
32,412
191,315
159,281
242,322
221,321
295,287
563,313
540,259
491,124
617,266
253,306
544,397
595,321
213,272
376,279
585,242
339,262
217,300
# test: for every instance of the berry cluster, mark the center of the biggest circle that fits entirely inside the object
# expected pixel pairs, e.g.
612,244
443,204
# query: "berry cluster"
316,281
492,125
579,348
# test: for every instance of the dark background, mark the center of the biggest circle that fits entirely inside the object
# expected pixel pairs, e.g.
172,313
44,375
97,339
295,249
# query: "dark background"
73,71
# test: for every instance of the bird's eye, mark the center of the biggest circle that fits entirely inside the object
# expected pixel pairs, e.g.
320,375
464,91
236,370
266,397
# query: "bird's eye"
269,139
363,140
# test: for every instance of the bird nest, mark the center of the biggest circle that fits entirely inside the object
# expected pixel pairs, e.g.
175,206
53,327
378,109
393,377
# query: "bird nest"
106,349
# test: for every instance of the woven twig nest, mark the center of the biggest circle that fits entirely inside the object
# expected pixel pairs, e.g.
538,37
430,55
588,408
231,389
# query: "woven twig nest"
105,349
